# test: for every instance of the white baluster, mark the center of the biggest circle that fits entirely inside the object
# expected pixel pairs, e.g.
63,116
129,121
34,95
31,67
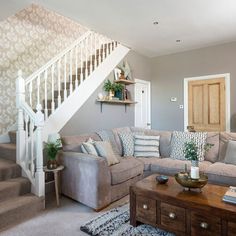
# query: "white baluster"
76,67
30,93
38,89
100,51
32,157
104,50
71,85
39,175
65,91
26,118
45,94
95,51
59,81
20,97
91,61
53,102
106,44
86,58
81,62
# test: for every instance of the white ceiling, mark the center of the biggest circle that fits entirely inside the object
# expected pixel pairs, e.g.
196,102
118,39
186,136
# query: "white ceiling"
197,23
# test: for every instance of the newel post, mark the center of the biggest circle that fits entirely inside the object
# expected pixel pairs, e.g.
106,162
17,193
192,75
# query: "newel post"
20,136
39,175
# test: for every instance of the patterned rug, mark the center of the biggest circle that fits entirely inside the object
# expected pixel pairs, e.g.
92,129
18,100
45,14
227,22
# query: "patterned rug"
116,223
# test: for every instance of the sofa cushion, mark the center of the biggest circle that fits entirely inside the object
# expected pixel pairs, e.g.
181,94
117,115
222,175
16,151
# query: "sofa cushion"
148,162
230,156
127,141
73,143
222,173
104,150
128,168
180,138
171,166
224,138
88,147
165,139
146,146
116,132
213,154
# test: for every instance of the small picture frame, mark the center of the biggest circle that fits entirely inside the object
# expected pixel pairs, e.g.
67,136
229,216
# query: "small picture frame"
117,72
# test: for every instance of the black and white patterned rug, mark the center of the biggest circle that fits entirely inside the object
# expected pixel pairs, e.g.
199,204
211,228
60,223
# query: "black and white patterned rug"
116,223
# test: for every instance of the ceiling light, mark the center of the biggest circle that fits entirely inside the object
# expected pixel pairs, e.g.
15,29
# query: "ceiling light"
155,22
178,41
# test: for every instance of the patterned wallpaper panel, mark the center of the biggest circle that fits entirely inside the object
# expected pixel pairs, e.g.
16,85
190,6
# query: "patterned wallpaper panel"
28,40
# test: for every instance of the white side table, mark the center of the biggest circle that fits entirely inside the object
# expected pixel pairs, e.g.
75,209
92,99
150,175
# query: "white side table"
56,173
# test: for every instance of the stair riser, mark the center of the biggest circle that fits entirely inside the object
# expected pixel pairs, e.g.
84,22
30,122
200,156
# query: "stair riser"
9,154
11,172
15,189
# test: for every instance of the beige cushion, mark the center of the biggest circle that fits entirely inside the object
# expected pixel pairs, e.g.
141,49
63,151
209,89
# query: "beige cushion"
148,162
170,166
230,157
213,154
128,168
104,150
165,139
222,173
73,143
224,138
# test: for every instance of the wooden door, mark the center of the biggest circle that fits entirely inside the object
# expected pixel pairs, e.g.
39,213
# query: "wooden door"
206,104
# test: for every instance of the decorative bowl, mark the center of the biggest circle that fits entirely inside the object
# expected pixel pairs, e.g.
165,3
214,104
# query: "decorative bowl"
184,180
162,179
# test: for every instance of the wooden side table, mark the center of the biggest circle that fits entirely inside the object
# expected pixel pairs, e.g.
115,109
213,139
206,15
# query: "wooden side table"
56,173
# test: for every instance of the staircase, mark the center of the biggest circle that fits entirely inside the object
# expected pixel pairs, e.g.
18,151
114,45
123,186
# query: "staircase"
45,101
16,200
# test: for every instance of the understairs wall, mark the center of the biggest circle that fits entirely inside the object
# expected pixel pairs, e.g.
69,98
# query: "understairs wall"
28,40
89,118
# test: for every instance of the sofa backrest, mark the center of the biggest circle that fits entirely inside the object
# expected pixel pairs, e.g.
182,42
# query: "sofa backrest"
73,143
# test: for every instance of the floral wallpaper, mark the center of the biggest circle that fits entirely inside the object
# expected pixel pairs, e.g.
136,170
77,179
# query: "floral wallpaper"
28,40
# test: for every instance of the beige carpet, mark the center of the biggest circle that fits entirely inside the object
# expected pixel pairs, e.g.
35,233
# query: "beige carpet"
64,220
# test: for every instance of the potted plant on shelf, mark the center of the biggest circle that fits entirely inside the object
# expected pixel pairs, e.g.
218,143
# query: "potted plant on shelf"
118,89
109,87
51,149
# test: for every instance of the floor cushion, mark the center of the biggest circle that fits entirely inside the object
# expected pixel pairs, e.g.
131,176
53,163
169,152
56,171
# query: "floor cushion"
169,166
128,168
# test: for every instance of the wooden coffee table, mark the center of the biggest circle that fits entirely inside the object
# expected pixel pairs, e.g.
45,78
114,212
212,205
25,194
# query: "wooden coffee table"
173,209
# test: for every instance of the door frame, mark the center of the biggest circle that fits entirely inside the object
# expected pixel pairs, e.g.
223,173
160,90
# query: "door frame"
226,76
148,83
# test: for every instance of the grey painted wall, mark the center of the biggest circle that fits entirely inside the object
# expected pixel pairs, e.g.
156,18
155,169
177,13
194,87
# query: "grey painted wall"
168,76
89,118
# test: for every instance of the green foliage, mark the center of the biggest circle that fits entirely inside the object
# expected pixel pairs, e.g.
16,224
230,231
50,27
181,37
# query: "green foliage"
52,149
118,87
108,86
191,150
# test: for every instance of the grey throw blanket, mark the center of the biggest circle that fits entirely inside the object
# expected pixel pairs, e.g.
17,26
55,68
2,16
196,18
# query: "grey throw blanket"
107,135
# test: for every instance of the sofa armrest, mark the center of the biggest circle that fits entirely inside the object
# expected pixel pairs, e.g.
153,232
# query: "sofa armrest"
86,178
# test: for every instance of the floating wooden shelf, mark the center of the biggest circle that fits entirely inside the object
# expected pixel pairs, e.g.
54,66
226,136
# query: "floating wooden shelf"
121,102
124,81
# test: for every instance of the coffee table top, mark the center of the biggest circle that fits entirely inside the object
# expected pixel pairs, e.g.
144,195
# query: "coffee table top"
211,195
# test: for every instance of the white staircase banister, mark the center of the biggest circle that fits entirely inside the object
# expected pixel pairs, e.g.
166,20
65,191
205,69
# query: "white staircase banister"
56,58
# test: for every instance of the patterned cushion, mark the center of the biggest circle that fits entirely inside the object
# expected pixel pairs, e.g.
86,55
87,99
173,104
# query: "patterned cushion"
105,151
127,141
146,146
180,138
88,147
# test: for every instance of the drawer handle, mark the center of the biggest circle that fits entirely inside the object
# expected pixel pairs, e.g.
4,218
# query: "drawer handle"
145,206
204,225
172,215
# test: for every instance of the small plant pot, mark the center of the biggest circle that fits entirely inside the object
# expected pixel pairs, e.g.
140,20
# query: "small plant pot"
194,163
119,94
52,164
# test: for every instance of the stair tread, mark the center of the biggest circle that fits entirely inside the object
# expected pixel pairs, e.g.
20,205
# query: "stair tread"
19,201
4,163
8,145
12,182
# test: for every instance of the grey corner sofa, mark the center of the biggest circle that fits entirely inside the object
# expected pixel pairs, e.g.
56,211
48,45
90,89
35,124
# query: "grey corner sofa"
89,180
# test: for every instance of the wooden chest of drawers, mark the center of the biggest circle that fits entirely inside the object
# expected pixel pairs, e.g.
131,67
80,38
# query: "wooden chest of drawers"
182,212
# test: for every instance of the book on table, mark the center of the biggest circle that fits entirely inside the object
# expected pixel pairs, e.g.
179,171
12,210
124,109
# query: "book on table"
230,195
